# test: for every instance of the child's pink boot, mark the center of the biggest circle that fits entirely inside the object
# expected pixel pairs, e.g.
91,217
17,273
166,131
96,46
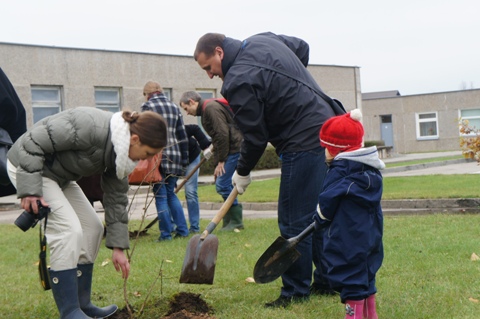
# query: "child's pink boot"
369,308
354,309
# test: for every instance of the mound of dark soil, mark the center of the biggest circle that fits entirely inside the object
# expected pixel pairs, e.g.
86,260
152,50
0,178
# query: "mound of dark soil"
183,305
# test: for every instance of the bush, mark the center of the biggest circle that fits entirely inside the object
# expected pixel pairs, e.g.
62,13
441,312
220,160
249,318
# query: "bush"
268,160
374,143
470,140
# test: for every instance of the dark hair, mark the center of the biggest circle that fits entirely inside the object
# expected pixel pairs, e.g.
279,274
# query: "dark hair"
207,44
150,127
190,95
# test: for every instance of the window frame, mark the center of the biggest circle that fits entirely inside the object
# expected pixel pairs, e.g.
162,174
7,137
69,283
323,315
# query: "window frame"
110,106
39,104
419,122
461,118
168,93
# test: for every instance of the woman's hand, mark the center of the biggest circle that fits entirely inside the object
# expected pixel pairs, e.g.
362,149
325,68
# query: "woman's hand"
120,262
29,203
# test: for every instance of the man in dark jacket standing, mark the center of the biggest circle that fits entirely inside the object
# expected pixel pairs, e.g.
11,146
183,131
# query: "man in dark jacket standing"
276,100
13,121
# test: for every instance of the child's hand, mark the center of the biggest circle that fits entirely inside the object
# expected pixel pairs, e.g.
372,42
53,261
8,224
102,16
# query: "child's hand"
320,221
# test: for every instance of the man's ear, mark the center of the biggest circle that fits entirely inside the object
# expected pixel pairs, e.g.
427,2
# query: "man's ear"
219,51
134,139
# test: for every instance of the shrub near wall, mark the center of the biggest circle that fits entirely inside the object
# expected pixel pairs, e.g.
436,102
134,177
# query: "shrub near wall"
373,143
268,160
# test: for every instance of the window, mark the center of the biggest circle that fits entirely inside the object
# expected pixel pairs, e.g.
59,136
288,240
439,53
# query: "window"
473,118
168,93
206,94
427,126
107,99
46,101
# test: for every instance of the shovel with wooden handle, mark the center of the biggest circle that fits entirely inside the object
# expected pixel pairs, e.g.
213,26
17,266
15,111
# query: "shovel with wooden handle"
134,233
201,257
279,257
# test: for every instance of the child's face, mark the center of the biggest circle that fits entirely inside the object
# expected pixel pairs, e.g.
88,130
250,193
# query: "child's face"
328,156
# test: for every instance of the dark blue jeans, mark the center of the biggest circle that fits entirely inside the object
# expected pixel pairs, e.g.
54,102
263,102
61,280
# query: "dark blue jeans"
169,207
191,196
302,176
223,184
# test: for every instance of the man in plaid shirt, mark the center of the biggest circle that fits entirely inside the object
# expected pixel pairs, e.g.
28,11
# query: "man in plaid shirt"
173,165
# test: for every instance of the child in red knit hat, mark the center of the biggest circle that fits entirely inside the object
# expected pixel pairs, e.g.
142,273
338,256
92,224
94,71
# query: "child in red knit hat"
349,208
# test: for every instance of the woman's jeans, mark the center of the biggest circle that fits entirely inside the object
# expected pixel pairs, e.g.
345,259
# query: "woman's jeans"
223,184
191,196
168,208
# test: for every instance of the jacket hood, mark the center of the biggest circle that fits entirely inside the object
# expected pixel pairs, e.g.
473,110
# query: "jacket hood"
231,47
368,156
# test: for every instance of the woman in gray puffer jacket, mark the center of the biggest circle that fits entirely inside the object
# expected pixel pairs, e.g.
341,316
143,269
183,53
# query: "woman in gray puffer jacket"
44,164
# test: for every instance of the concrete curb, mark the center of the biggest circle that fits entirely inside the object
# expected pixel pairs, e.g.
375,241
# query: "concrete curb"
425,165
389,207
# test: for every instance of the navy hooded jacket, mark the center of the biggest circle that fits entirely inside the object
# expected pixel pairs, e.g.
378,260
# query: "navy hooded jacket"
265,79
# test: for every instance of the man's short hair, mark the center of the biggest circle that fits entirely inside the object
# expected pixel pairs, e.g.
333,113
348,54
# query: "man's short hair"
207,44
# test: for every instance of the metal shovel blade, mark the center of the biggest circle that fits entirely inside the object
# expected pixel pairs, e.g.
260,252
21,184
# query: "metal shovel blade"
275,261
200,259
199,263
279,257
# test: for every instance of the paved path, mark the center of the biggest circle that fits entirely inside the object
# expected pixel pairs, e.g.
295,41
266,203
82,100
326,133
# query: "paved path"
9,204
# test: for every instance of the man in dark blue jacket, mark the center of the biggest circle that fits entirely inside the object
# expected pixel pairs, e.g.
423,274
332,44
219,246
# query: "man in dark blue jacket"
13,123
276,100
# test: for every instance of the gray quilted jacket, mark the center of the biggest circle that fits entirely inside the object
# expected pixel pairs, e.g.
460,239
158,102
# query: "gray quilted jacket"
66,146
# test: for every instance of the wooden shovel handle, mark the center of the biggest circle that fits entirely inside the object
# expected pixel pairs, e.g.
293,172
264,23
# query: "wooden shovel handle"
179,187
221,213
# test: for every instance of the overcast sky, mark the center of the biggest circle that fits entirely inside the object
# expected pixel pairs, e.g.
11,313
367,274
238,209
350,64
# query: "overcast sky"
414,46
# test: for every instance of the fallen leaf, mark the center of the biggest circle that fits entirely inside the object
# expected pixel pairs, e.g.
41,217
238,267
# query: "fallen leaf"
248,245
236,230
250,279
168,261
473,299
105,262
474,257
137,294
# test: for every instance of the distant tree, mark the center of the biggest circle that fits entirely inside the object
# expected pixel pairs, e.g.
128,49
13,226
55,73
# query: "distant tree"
464,86
470,140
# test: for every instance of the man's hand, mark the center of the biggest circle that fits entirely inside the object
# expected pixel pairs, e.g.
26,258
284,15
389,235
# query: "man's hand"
241,182
219,169
120,262
207,153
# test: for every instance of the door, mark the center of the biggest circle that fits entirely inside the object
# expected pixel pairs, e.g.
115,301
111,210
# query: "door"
386,129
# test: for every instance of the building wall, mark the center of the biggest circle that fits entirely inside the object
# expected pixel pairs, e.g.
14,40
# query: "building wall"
404,109
79,71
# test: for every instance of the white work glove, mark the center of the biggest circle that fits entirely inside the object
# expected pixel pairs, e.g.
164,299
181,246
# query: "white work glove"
207,153
241,182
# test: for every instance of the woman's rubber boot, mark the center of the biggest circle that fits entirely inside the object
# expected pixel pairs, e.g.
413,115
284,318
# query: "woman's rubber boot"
65,292
354,309
236,218
370,308
84,273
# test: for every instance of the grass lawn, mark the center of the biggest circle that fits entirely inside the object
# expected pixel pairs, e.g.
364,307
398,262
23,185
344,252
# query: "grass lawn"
427,273
411,187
